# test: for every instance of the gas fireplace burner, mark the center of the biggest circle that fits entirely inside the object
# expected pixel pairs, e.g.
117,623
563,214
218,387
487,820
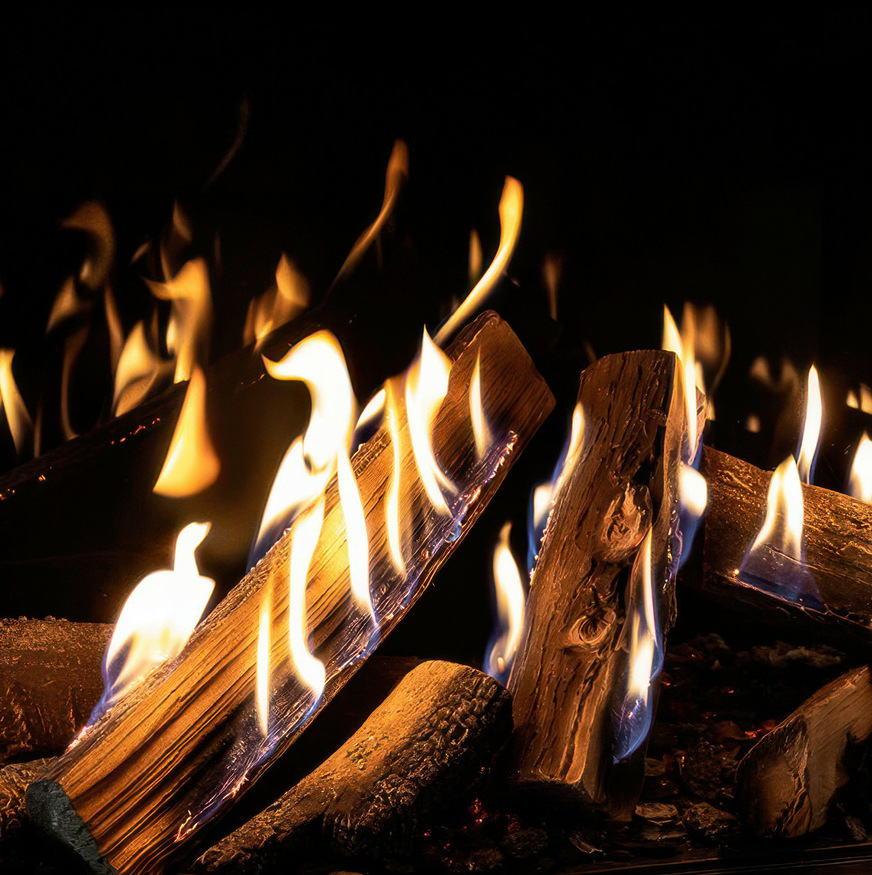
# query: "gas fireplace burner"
436,462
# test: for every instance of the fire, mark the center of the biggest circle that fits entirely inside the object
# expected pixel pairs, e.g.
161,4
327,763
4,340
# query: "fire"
393,500
511,210
684,346
138,370
642,638
510,596
475,257
480,430
552,269
190,315
191,464
17,417
279,305
861,400
157,619
811,430
426,387
775,560
860,479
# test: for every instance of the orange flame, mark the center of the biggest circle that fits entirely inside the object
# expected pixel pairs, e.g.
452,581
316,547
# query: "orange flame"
475,257
552,269
91,217
511,599
480,430
17,417
860,480
782,524
139,369
191,464
278,305
811,430
861,400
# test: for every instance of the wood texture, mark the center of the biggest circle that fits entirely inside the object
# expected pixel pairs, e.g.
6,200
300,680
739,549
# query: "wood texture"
837,538
428,741
50,680
15,778
787,781
565,678
175,754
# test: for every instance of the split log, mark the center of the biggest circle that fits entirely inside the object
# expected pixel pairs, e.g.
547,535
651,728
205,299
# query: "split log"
14,781
50,680
837,539
173,756
570,665
428,742
787,781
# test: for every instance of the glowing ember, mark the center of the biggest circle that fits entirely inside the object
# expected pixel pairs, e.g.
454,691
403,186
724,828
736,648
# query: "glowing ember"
157,619
191,464
860,479
510,596
775,561
811,430
17,417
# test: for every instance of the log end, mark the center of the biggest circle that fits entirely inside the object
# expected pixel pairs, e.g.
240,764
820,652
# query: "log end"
50,809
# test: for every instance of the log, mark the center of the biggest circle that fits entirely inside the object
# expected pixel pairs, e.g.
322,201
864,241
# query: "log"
171,758
50,680
787,781
428,742
837,538
570,665
15,778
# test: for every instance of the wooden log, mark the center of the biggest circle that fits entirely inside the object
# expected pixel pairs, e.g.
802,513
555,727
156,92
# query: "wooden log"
170,758
787,781
50,680
429,741
15,778
837,539
572,659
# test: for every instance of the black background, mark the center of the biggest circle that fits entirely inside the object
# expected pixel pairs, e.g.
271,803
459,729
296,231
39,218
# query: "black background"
666,156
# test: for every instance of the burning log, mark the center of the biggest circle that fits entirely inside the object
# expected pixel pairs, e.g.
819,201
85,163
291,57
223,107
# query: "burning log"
427,742
571,674
837,542
50,679
173,755
788,780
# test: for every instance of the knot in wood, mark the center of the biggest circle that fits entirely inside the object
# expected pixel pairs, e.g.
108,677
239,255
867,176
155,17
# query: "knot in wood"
624,525
591,631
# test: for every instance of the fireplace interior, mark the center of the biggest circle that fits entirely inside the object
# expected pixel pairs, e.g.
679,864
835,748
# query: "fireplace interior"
663,159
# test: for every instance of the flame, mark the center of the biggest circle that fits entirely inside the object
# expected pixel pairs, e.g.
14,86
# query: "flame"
552,269
860,480
67,305
684,346
426,388
397,173
113,324
191,464
392,512
264,668
511,210
190,315
692,491
278,305
474,257
157,619
775,560
72,347
138,370
862,400
92,218
643,640
480,430
511,598
17,417
811,430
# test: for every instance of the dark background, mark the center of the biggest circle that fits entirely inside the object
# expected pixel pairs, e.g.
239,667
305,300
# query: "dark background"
665,156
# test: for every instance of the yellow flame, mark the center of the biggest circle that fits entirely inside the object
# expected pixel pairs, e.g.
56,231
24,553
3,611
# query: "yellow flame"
510,604
191,464
541,503
480,430
811,432
475,257
643,628
862,400
373,409
684,346
511,210
159,615
278,305
860,481
66,305
552,268
782,525
262,688
395,535
692,490
113,324
92,218
190,315
17,417
304,538
426,388
397,173
138,370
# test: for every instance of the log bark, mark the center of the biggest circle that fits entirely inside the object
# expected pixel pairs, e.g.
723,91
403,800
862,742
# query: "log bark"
173,756
571,662
50,680
837,539
14,781
428,742
787,781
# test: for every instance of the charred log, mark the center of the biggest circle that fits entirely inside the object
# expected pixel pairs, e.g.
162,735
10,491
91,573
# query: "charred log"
426,743
50,679
623,484
787,781
138,789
